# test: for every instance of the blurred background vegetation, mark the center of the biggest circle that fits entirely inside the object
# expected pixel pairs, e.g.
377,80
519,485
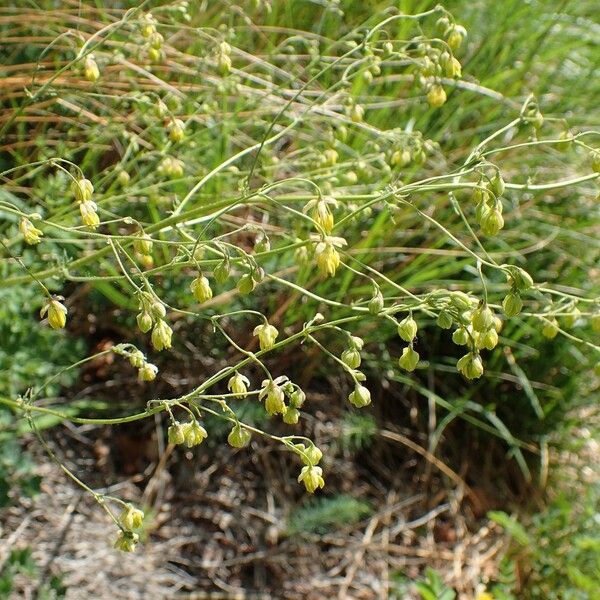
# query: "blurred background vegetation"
522,438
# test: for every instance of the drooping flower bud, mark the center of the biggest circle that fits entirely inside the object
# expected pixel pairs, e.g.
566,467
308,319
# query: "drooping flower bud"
144,321
239,437
297,398
221,272
267,334
131,517
30,233
246,284
497,184
90,69
147,372
460,337
550,329
512,304
409,359
123,178
444,319
483,318
127,541
488,339
274,397
291,416
312,477
176,129
89,216
360,397
351,358
436,96
407,329
470,366
194,434
161,336
176,433
238,385
57,313
143,244
200,287
455,34
492,222
328,259
136,358
376,303
82,189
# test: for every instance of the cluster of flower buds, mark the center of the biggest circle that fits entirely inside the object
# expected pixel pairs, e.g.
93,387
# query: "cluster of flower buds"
31,234
171,167
146,371
154,39
274,393
56,312
224,58
130,519
83,190
152,313
488,209
311,474
189,434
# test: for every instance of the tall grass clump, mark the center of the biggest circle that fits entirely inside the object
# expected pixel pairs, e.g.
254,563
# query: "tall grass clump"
268,196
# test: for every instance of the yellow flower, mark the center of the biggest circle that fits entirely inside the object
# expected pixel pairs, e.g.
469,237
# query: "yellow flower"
89,216
90,69
176,130
127,541
328,259
161,336
436,96
267,334
82,189
312,477
200,287
238,385
131,517
29,232
57,313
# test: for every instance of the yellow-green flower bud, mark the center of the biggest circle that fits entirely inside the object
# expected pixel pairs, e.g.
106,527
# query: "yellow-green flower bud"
144,321
194,434
57,313
90,69
200,287
492,222
297,398
123,178
176,128
497,184
155,55
455,35
351,358
444,319
470,366
291,416
143,244
239,437
376,303
512,304
176,433
360,397
156,40
157,309
147,372
246,284
571,319
461,301
161,336
595,322
136,358
89,216
488,339
238,385
311,455
328,259
82,189
483,318
409,359
312,477
518,278
357,113
221,272
550,329
131,518
30,233
436,96
407,329
127,541
274,397
460,337
267,334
